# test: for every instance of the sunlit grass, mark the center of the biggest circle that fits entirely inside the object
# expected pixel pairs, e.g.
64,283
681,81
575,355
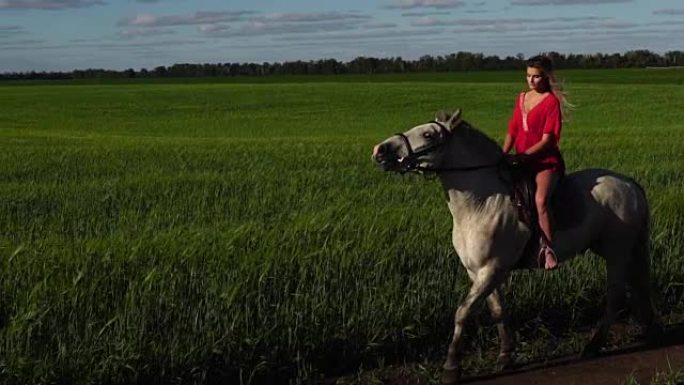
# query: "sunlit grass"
203,231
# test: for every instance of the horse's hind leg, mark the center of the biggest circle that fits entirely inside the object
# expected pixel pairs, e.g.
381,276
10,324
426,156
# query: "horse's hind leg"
616,270
639,279
498,311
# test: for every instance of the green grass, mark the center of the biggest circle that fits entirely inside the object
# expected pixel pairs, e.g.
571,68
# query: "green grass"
666,75
203,231
671,376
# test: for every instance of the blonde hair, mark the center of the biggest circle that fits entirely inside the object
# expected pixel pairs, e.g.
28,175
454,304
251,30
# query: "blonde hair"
545,65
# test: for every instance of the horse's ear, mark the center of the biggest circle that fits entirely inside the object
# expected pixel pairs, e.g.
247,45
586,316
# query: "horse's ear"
454,120
442,116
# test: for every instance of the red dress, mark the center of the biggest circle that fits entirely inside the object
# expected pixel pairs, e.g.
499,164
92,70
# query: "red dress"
527,129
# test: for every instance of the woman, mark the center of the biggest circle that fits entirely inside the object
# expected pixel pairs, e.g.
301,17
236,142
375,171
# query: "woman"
534,130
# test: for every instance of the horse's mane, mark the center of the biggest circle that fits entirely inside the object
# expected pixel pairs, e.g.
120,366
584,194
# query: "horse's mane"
482,137
468,130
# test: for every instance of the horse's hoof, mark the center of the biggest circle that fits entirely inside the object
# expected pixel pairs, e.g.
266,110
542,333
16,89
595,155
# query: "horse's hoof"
654,334
589,352
451,376
504,361
593,347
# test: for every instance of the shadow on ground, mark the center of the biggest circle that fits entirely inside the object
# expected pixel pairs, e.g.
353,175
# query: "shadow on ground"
641,360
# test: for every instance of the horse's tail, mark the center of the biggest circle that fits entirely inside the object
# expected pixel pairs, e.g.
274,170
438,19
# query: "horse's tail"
639,273
641,249
645,230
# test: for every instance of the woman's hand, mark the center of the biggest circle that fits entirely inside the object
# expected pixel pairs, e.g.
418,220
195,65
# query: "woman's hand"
517,159
545,142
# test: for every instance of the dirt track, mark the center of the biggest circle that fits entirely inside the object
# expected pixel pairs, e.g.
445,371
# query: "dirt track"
639,360
610,369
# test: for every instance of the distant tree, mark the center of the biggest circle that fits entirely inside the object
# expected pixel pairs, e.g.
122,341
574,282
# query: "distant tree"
674,58
426,63
459,61
641,58
160,71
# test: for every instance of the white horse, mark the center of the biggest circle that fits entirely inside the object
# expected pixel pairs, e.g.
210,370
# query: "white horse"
593,209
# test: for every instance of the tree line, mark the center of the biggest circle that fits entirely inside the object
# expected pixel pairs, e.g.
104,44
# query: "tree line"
460,61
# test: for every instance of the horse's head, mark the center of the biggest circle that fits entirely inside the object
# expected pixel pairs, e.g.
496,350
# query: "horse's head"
420,148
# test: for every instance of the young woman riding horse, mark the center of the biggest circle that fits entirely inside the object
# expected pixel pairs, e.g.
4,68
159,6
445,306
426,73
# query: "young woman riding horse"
534,130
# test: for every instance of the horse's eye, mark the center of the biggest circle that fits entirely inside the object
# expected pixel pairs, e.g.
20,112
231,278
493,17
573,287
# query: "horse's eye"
427,135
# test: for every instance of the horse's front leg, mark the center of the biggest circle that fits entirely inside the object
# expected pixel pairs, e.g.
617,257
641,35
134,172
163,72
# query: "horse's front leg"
498,311
485,281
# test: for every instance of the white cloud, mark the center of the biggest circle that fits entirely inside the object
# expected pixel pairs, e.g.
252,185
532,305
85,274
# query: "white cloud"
91,44
48,4
440,4
524,21
287,23
175,20
615,24
505,30
670,22
429,21
209,28
355,37
311,17
6,30
421,14
20,43
378,25
669,11
566,2
259,28
144,32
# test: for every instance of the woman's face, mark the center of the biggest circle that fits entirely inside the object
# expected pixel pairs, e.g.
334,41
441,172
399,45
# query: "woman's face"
535,79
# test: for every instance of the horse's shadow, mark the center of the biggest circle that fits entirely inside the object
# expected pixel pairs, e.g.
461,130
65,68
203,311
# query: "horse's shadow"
672,335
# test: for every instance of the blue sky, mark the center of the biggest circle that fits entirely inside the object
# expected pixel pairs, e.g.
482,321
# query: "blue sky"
119,34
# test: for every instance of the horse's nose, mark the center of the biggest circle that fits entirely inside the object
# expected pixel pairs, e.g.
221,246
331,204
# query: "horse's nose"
378,149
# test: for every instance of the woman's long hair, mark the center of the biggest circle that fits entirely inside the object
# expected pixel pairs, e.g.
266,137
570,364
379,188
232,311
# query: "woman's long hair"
545,65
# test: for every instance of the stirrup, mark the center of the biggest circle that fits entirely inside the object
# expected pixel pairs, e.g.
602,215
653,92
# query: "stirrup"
541,258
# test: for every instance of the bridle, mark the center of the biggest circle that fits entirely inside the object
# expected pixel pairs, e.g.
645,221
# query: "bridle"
410,162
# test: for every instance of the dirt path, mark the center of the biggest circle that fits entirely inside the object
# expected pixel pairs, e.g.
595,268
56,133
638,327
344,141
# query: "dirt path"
611,369
641,361
638,361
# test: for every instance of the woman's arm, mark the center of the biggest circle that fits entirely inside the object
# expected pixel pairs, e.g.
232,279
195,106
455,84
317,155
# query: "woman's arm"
514,123
545,142
508,143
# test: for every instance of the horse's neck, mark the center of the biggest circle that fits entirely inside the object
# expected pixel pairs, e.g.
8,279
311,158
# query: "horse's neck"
477,204
468,191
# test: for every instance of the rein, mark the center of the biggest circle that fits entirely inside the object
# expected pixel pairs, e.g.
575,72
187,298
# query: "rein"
464,168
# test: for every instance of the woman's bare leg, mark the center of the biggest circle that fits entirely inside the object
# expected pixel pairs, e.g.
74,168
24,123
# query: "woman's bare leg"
546,182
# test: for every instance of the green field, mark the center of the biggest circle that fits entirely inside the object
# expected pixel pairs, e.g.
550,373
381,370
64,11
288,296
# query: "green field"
195,231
